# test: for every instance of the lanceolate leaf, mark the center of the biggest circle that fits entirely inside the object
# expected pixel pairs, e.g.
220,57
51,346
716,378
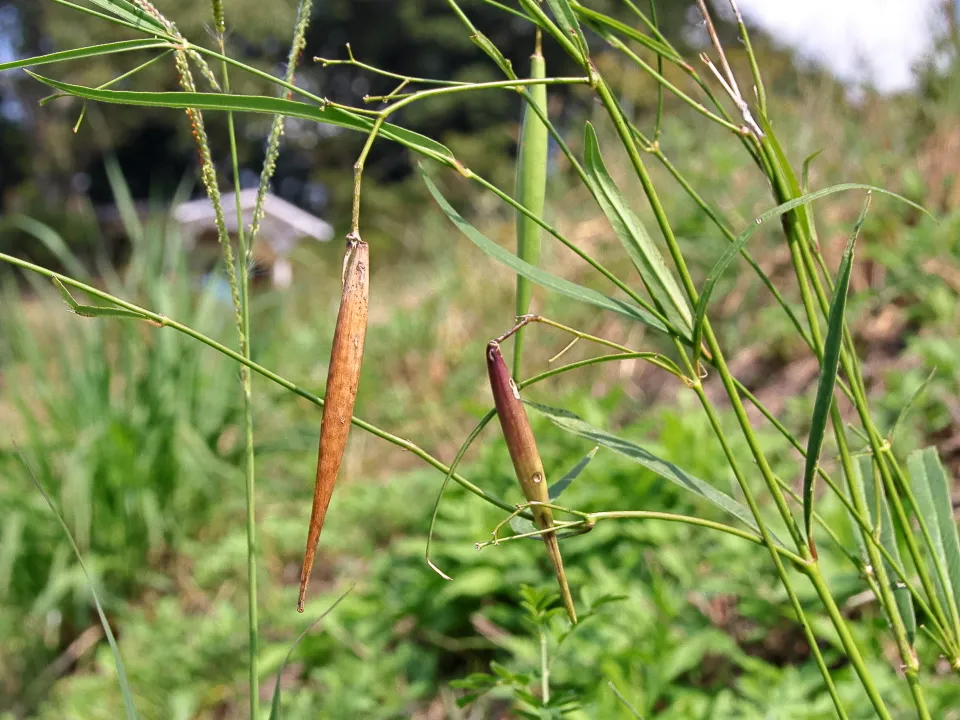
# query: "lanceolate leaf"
493,52
567,21
541,277
131,13
931,488
643,252
667,470
829,365
905,410
258,104
734,248
85,52
563,483
602,24
785,170
875,499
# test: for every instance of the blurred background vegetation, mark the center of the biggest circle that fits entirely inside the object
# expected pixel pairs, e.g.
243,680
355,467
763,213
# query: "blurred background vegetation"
135,431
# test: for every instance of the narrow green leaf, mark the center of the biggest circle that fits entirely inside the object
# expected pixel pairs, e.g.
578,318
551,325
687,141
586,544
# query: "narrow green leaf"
784,169
829,366
640,247
566,41
876,500
493,52
85,52
734,248
540,277
94,310
572,474
602,24
275,703
567,20
65,294
571,423
131,13
257,104
108,17
522,526
931,488
805,174
908,406
51,240
130,707
623,701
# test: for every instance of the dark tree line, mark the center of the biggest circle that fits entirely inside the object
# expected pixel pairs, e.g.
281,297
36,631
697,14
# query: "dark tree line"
43,163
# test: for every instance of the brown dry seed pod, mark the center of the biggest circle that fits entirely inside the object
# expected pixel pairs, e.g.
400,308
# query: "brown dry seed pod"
343,378
526,460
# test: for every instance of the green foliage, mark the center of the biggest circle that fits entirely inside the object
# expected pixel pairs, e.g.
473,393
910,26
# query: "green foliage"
131,432
137,428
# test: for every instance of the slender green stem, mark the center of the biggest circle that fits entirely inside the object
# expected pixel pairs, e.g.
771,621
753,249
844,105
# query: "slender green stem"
353,62
591,519
726,378
754,65
645,304
657,126
662,82
247,387
853,653
161,321
907,654
798,238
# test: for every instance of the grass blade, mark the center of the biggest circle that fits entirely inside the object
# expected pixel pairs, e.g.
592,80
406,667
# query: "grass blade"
623,701
571,423
52,241
275,703
540,277
600,23
567,20
85,52
931,488
531,192
493,52
257,104
734,248
128,703
569,43
829,366
805,173
94,310
126,10
640,247
908,406
572,474
876,500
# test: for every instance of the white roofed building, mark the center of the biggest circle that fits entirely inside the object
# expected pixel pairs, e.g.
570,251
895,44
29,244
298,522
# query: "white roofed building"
282,228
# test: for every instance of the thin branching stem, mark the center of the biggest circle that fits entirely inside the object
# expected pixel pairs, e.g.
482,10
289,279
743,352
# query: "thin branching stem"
247,387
